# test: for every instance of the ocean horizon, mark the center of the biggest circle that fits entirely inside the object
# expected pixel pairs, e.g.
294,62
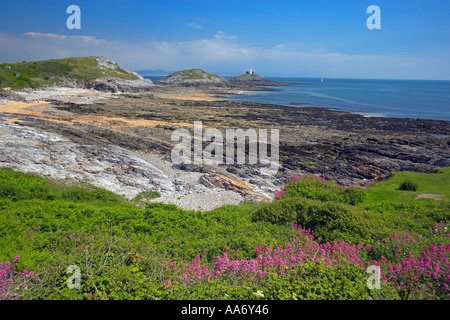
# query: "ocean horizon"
416,99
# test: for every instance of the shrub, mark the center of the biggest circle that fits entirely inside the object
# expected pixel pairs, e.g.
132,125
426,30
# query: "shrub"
12,282
353,196
317,188
319,281
408,185
145,195
331,221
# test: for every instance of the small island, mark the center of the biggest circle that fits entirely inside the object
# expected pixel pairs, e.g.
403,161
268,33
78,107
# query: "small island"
191,76
250,75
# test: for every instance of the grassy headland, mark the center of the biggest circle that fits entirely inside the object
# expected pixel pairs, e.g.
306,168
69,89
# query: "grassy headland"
34,74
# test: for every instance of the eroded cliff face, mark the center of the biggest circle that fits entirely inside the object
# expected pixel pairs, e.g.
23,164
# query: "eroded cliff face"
119,85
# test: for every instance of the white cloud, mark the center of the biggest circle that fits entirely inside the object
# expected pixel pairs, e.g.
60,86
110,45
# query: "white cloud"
60,36
194,25
219,53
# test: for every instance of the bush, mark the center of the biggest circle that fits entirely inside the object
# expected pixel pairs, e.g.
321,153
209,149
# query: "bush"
317,188
408,186
145,195
353,196
319,281
12,281
330,221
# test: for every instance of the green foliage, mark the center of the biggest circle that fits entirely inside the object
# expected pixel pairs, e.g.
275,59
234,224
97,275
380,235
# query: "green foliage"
318,281
18,186
332,215
50,68
189,232
32,201
124,251
353,196
317,188
400,217
114,268
408,186
330,221
145,195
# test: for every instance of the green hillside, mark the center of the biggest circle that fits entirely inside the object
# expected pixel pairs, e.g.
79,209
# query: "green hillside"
314,241
34,74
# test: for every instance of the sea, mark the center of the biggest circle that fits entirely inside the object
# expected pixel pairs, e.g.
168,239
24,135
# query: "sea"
417,99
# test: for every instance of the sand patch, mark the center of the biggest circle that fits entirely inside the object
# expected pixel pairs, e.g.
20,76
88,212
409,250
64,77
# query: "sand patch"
429,196
185,94
23,107
38,110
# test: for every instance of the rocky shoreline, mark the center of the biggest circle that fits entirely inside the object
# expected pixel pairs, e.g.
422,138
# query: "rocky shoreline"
122,142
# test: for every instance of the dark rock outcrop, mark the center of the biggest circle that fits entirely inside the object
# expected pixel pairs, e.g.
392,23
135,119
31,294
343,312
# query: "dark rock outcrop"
120,85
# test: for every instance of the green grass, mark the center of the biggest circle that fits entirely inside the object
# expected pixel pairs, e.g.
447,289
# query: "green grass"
17,186
432,183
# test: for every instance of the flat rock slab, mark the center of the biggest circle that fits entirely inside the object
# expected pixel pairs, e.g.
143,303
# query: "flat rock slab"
429,196
110,167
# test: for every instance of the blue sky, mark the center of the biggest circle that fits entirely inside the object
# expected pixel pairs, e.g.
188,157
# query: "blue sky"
277,38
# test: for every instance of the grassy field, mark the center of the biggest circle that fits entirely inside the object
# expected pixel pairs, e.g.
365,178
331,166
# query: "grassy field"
435,183
314,241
